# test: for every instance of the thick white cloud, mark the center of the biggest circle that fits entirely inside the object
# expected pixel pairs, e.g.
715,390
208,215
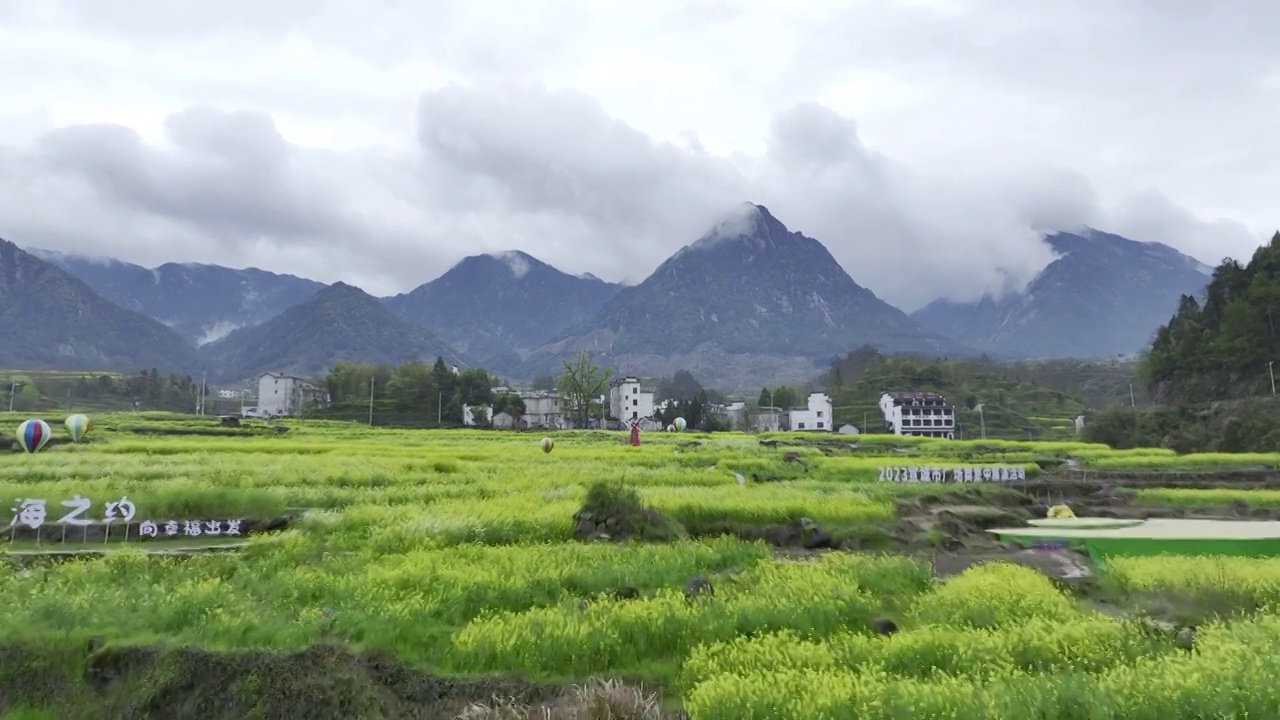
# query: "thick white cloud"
926,143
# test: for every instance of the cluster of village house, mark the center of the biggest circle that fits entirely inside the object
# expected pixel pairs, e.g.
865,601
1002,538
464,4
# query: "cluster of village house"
627,403
906,413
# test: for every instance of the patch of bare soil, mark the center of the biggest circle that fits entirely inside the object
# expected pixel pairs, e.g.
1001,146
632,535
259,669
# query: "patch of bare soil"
594,700
954,523
958,519
1055,564
1239,479
320,683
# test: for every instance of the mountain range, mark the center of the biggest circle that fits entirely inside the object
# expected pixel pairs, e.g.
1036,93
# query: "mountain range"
748,300
1104,295
496,308
341,322
750,303
203,303
50,319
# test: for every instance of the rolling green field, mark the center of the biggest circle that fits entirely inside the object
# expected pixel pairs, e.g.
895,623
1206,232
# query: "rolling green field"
461,554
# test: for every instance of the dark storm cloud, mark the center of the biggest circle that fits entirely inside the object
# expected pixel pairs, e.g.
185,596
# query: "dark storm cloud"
985,125
558,153
231,174
552,173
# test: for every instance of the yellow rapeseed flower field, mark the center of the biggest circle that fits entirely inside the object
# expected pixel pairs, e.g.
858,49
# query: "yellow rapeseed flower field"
457,551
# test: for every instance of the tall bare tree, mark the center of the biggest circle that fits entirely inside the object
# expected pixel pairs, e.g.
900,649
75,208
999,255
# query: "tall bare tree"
580,383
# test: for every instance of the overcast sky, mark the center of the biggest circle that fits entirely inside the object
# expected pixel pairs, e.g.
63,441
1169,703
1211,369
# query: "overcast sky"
925,142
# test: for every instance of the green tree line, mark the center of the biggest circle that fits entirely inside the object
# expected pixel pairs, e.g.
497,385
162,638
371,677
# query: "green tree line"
432,393
1221,346
144,390
1210,367
1036,400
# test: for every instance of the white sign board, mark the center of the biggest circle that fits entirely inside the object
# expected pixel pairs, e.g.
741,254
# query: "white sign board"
192,528
950,475
33,513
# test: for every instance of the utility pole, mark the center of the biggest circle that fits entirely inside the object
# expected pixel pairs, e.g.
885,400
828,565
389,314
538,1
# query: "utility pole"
13,390
439,410
204,391
982,421
1134,404
370,402
1272,373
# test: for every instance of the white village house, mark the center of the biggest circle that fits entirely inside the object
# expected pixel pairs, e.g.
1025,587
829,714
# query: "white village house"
815,416
473,415
280,394
767,419
920,414
628,402
542,410
735,413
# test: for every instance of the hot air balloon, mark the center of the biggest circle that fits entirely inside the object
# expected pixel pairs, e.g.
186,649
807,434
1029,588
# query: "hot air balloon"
548,444
680,424
33,434
77,426
671,428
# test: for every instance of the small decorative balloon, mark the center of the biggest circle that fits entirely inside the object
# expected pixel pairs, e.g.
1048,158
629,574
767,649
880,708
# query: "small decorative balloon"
33,434
77,425
680,424
671,428
548,444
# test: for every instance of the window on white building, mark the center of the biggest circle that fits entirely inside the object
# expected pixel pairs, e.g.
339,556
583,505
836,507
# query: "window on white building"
801,426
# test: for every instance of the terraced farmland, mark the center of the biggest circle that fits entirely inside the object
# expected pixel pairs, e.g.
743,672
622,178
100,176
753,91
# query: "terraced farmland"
385,574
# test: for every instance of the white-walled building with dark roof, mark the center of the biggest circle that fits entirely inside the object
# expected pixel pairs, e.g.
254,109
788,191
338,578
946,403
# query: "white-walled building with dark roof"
919,414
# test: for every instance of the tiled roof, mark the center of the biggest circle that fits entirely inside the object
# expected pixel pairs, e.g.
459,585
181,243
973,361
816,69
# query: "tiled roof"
917,396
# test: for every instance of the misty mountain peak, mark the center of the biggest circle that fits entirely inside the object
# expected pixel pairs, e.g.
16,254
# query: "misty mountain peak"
59,257
494,305
494,267
744,303
1096,247
1102,296
747,221
751,243
202,302
516,261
